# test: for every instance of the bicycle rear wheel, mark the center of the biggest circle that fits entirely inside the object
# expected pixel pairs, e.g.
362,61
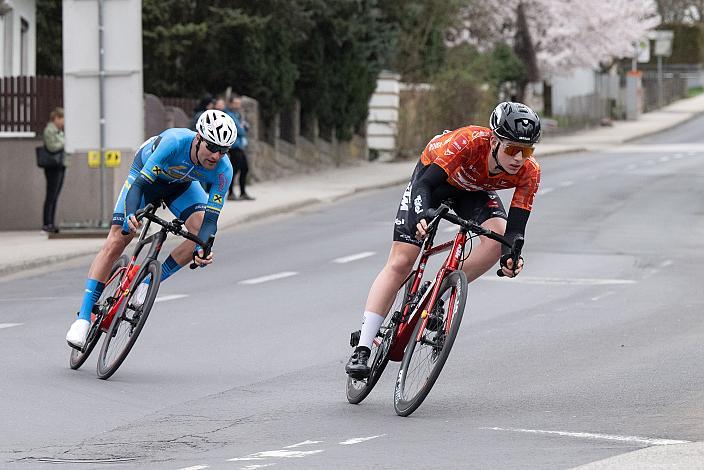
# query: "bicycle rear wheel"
423,360
128,322
357,390
102,306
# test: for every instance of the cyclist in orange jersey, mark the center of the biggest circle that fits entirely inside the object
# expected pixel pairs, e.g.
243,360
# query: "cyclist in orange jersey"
466,165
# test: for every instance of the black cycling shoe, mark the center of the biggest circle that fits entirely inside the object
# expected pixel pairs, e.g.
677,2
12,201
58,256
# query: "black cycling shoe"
357,367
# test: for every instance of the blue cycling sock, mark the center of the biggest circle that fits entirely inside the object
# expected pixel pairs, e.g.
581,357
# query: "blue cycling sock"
90,296
169,268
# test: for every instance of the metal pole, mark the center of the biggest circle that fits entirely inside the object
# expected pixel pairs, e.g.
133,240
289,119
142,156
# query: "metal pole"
101,93
660,97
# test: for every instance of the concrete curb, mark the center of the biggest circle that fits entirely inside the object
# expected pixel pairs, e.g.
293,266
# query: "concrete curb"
665,129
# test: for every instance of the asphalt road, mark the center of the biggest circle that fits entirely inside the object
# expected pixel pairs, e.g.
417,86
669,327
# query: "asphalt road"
594,351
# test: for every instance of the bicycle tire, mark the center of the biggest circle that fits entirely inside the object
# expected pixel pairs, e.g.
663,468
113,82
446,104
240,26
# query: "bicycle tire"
113,352
77,357
358,390
405,403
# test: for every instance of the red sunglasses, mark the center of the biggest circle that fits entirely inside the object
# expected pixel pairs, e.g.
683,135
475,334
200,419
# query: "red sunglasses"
513,150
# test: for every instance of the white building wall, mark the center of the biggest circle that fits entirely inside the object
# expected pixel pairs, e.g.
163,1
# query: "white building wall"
12,37
578,83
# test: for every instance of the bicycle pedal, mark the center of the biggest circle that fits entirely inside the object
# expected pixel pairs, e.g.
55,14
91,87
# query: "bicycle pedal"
354,338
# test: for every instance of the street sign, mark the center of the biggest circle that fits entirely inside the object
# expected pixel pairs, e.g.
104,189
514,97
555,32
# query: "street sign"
663,43
642,49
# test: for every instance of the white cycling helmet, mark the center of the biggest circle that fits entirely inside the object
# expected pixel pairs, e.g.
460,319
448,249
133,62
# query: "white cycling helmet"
217,127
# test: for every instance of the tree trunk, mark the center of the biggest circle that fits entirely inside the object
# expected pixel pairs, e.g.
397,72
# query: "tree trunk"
525,51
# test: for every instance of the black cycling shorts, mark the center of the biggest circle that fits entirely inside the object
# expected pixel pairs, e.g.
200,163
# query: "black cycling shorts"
478,206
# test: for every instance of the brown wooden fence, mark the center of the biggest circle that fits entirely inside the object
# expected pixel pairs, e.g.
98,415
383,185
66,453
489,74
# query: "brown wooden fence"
25,102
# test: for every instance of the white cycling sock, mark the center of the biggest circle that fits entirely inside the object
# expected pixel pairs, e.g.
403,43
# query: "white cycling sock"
370,327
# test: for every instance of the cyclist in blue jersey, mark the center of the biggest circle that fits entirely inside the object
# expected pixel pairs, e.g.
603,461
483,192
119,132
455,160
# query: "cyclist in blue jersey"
168,167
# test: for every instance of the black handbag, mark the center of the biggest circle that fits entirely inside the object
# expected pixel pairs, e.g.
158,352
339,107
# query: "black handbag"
47,159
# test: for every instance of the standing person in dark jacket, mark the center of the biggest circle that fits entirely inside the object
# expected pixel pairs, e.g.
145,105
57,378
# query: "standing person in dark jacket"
53,137
238,154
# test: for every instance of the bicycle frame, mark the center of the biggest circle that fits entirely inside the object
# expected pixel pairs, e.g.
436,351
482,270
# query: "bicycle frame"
156,240
409,318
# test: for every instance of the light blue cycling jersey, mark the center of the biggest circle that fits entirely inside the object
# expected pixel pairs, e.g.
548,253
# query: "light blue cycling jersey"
162,169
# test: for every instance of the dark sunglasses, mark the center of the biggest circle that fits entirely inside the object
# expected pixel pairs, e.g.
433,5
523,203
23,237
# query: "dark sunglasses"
514,150
216,148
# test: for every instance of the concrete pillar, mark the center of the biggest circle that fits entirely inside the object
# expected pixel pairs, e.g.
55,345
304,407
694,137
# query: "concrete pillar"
382,123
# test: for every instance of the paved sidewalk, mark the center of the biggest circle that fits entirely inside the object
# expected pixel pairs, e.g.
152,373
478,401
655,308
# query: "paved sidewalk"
672,457
29,249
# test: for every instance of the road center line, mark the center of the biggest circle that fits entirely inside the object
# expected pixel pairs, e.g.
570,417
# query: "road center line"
166,298
9,325
195,467
271,277
545,191
561,281
566,184
587,435
355,257
304,443
357,440
277,454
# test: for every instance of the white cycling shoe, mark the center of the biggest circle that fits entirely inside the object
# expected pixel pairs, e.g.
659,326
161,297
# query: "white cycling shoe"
77,334
137,300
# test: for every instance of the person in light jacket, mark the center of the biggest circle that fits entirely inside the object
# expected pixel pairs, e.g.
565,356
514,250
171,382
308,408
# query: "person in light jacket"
53,137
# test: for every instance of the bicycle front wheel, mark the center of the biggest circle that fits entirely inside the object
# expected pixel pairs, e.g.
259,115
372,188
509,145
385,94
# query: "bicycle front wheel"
424,359
102,306
357,390
128,321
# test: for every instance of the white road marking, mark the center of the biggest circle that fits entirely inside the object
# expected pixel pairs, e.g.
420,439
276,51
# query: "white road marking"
545,191
587,435
605,294
304,443
666,263
277,454
256,466
631,167
9,325
271,277
357,440
166,298
664,159
561,281
347,259
195,467
566,184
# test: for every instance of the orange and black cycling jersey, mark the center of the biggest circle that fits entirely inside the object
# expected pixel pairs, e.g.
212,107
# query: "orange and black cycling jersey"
464,155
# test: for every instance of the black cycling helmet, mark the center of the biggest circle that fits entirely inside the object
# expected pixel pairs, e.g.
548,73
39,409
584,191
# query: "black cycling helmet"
515,122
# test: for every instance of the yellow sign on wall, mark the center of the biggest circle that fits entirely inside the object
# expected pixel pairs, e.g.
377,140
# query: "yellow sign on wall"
113,158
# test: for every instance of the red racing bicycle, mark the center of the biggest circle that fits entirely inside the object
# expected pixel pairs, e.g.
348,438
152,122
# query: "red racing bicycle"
423,323
115,313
